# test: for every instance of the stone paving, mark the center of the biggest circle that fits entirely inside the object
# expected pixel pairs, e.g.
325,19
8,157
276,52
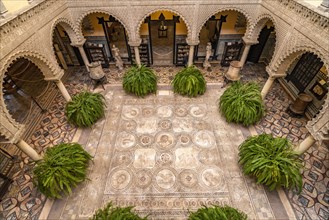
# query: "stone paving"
23,201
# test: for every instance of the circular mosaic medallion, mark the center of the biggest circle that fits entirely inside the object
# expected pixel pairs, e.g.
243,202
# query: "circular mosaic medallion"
146,140
123,158
207,157
120,179
128,125
164,111
204,139
181,111
184,139
125,140
130,112
198,111
188,178
213,178
165,158
165,141
201,125
165,124
165,179
147,111
143,179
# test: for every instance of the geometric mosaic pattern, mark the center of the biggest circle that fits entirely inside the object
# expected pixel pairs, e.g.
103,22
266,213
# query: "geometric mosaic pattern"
165,154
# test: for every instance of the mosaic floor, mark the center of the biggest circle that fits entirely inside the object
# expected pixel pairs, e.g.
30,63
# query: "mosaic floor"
162,170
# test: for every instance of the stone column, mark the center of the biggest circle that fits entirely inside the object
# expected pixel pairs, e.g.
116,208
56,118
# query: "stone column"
304,145
63,90
60,56
246,49
190,56
79,45
267,86
137,56
28,150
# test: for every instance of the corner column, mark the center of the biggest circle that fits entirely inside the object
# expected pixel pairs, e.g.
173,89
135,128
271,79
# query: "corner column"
267,86
304,145
63,90
247,45
79,45
28,150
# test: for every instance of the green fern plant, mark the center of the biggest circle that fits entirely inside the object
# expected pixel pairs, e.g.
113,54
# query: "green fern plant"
114,213
62,168
218,213
85,109
242,103
140,80
272,161
189,81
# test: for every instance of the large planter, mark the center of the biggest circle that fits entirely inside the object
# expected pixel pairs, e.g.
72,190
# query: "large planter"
233,73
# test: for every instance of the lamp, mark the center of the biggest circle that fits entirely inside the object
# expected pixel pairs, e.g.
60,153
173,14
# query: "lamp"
162,30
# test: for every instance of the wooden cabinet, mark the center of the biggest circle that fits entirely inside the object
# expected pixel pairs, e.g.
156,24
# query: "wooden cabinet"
6,164
96,52
144,54
231,52
182,50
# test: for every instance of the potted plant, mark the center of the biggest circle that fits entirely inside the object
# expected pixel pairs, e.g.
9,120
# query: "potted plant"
272,161
62,168
85,108
218,213
242,103
189,81
140,80
113,213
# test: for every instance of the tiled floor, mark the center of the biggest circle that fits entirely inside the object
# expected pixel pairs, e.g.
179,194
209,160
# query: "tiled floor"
165,180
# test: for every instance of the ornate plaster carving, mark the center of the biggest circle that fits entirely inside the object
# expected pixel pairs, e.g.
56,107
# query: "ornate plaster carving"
206,11
69,27
120,14
178,10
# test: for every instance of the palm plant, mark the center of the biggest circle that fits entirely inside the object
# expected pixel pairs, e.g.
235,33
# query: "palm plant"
189,81
140,80
85,108
218,213
242,103
272,161
113,213
63,167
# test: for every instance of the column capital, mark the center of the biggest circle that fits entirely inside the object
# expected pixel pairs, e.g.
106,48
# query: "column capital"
192,42
273,74
248,41
79,43
135,43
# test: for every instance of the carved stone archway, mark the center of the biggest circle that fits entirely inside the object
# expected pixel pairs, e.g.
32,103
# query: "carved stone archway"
9,128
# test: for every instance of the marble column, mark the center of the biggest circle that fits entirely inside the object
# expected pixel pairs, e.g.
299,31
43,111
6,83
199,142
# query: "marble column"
190,56
267,86
304,145
60,56
137,56
84,56
244,55
28,150
63,90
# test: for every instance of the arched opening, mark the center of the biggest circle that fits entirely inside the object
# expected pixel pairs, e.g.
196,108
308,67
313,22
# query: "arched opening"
66,54
163,35
264,50
308,75
224,31
23,86
104,32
